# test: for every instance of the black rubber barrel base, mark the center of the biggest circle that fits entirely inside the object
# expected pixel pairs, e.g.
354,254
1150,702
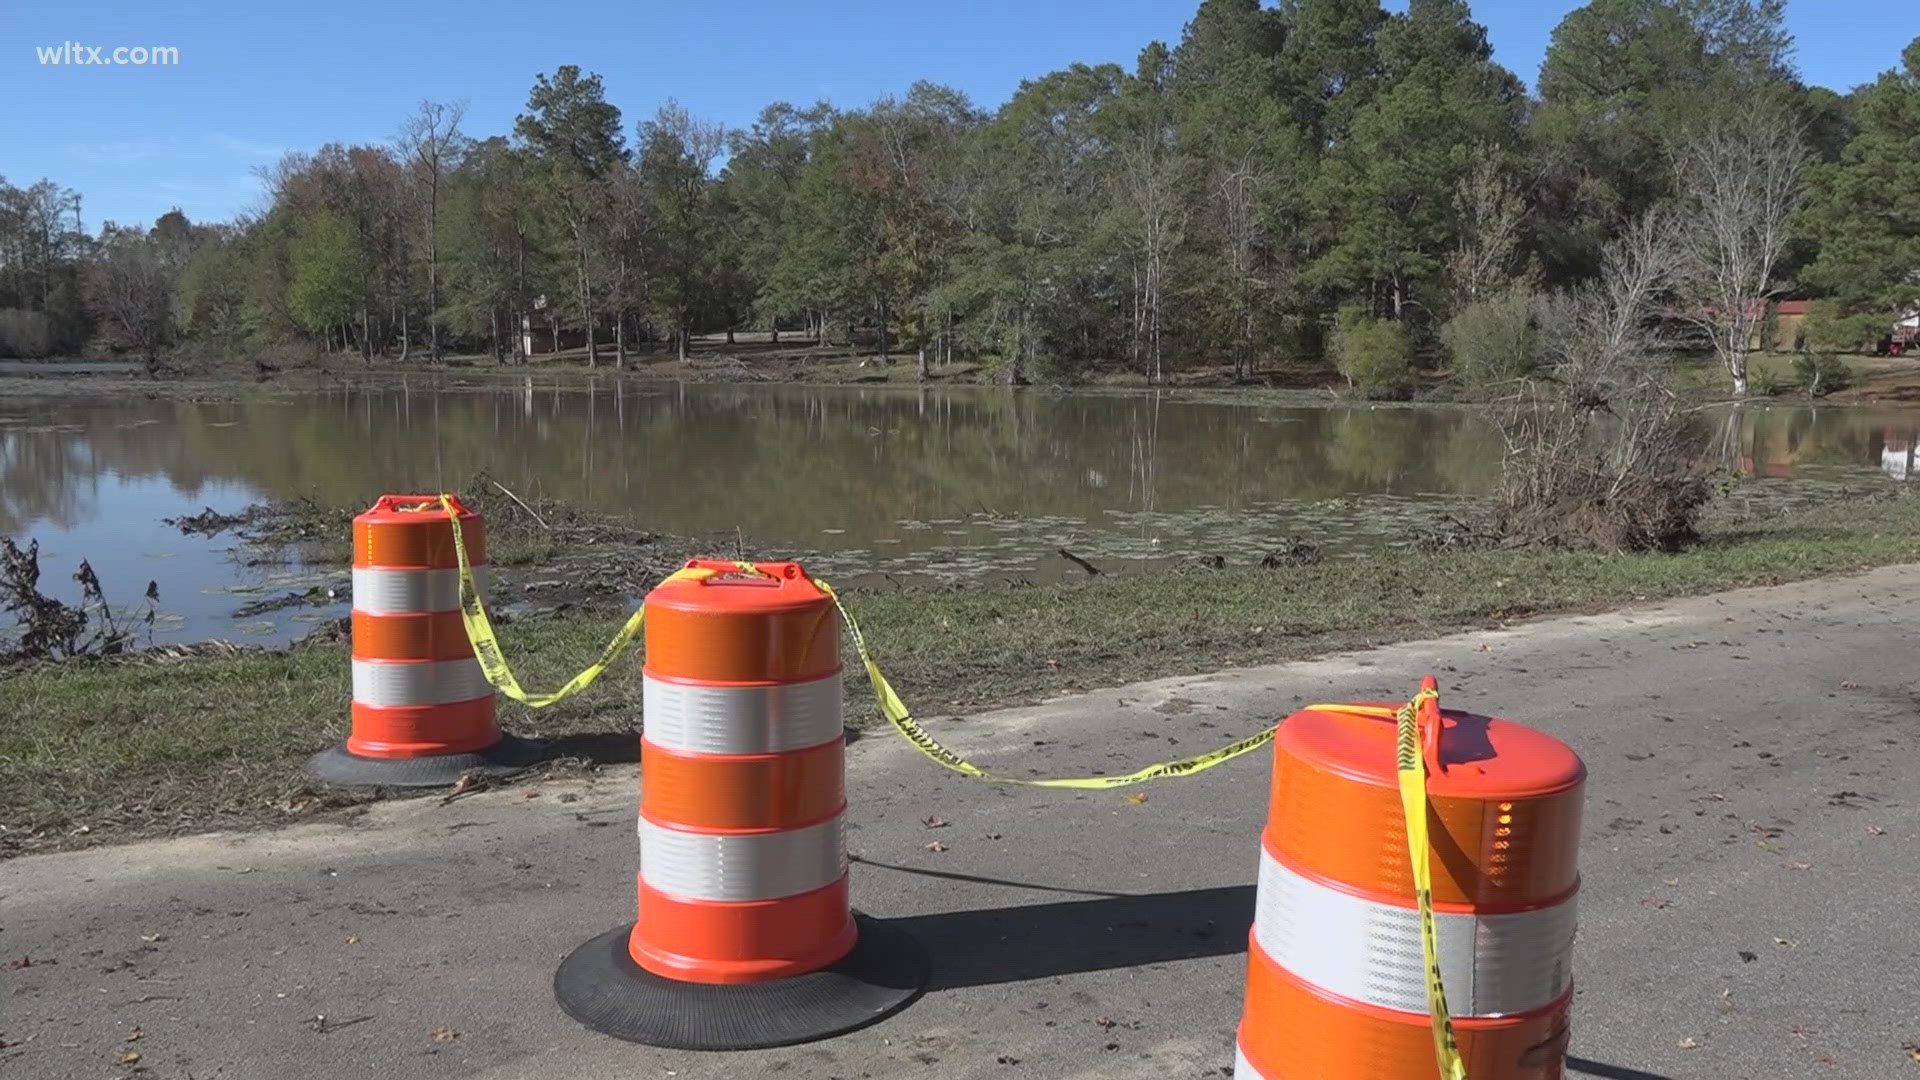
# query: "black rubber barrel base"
600,986
338,767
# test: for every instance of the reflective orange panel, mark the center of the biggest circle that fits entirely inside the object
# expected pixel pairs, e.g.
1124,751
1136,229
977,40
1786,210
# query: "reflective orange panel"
434,635
741,942
413,531
1335,810
1293,1031
745,791
423,730
742,629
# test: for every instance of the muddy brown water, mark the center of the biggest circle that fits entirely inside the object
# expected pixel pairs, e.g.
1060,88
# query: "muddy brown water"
945,484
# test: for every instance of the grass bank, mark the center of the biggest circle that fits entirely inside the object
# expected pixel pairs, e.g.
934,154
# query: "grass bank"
92,751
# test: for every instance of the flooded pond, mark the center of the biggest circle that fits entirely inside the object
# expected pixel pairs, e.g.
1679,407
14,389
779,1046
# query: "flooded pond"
945,484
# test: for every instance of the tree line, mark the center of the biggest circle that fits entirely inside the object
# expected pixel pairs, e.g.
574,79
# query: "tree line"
1318,178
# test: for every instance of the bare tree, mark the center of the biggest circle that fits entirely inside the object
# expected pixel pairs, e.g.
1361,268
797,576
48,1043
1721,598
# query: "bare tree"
1600,452
1739,175
428,143
1237,197
1491,212
629,221
1150,188
130,289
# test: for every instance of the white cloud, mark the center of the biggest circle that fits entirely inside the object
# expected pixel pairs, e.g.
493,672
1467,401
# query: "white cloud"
123,151
252,148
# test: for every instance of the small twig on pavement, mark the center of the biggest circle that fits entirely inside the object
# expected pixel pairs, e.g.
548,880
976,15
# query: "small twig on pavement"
321,1024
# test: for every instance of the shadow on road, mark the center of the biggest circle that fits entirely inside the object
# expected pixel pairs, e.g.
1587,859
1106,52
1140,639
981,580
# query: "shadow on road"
1067,937
947,875
613,747
1609,1072
599,747
1036,941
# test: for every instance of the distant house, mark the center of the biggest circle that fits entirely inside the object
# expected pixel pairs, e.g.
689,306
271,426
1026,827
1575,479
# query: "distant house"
1906,334
1789,325
1778,325
541,333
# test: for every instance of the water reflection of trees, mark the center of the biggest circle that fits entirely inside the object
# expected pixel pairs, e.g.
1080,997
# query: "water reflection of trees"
774,461
54,458
1774,441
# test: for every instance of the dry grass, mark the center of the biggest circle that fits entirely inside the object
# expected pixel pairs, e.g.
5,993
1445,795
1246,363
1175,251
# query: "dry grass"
96,750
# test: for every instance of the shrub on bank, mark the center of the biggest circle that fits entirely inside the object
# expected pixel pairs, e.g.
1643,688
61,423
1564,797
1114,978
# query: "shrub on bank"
1821,373
1493,341
25,334
1375,355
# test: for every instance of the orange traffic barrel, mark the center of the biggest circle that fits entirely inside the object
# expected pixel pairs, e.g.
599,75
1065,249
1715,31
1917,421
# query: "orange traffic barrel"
422,710
745,936
1336,979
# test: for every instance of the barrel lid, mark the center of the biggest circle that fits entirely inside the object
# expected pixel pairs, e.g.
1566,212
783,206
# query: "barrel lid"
1481,757
778,587
411,510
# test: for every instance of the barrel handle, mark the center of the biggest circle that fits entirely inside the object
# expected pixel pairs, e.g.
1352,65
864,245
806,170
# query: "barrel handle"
777,574
1431,723
392,504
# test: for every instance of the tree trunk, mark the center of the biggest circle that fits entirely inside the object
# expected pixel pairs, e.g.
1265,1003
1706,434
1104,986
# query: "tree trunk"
1737,358
883,333
520,317
923,363
406,340
1133,328
680,336
1019,347
776,331
433,266
366,335
620,341
586,291
729,335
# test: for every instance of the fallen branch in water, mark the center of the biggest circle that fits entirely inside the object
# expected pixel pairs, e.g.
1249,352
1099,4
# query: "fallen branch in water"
523,505
1078,561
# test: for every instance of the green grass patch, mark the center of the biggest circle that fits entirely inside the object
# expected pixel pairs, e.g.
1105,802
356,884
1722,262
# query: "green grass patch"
96,749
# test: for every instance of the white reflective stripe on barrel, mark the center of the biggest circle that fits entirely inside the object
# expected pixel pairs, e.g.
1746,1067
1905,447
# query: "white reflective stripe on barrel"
381,591
742,866
391,683
1367,951
1244,1070
694,719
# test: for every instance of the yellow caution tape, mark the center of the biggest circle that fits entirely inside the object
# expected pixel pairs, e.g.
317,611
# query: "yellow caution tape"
1410,762
1411,765
493,663
486,645
902,720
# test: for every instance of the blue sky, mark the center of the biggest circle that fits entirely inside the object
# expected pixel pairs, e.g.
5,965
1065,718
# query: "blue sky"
253,83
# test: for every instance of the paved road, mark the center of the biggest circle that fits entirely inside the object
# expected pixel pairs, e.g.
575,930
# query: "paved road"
1749,859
